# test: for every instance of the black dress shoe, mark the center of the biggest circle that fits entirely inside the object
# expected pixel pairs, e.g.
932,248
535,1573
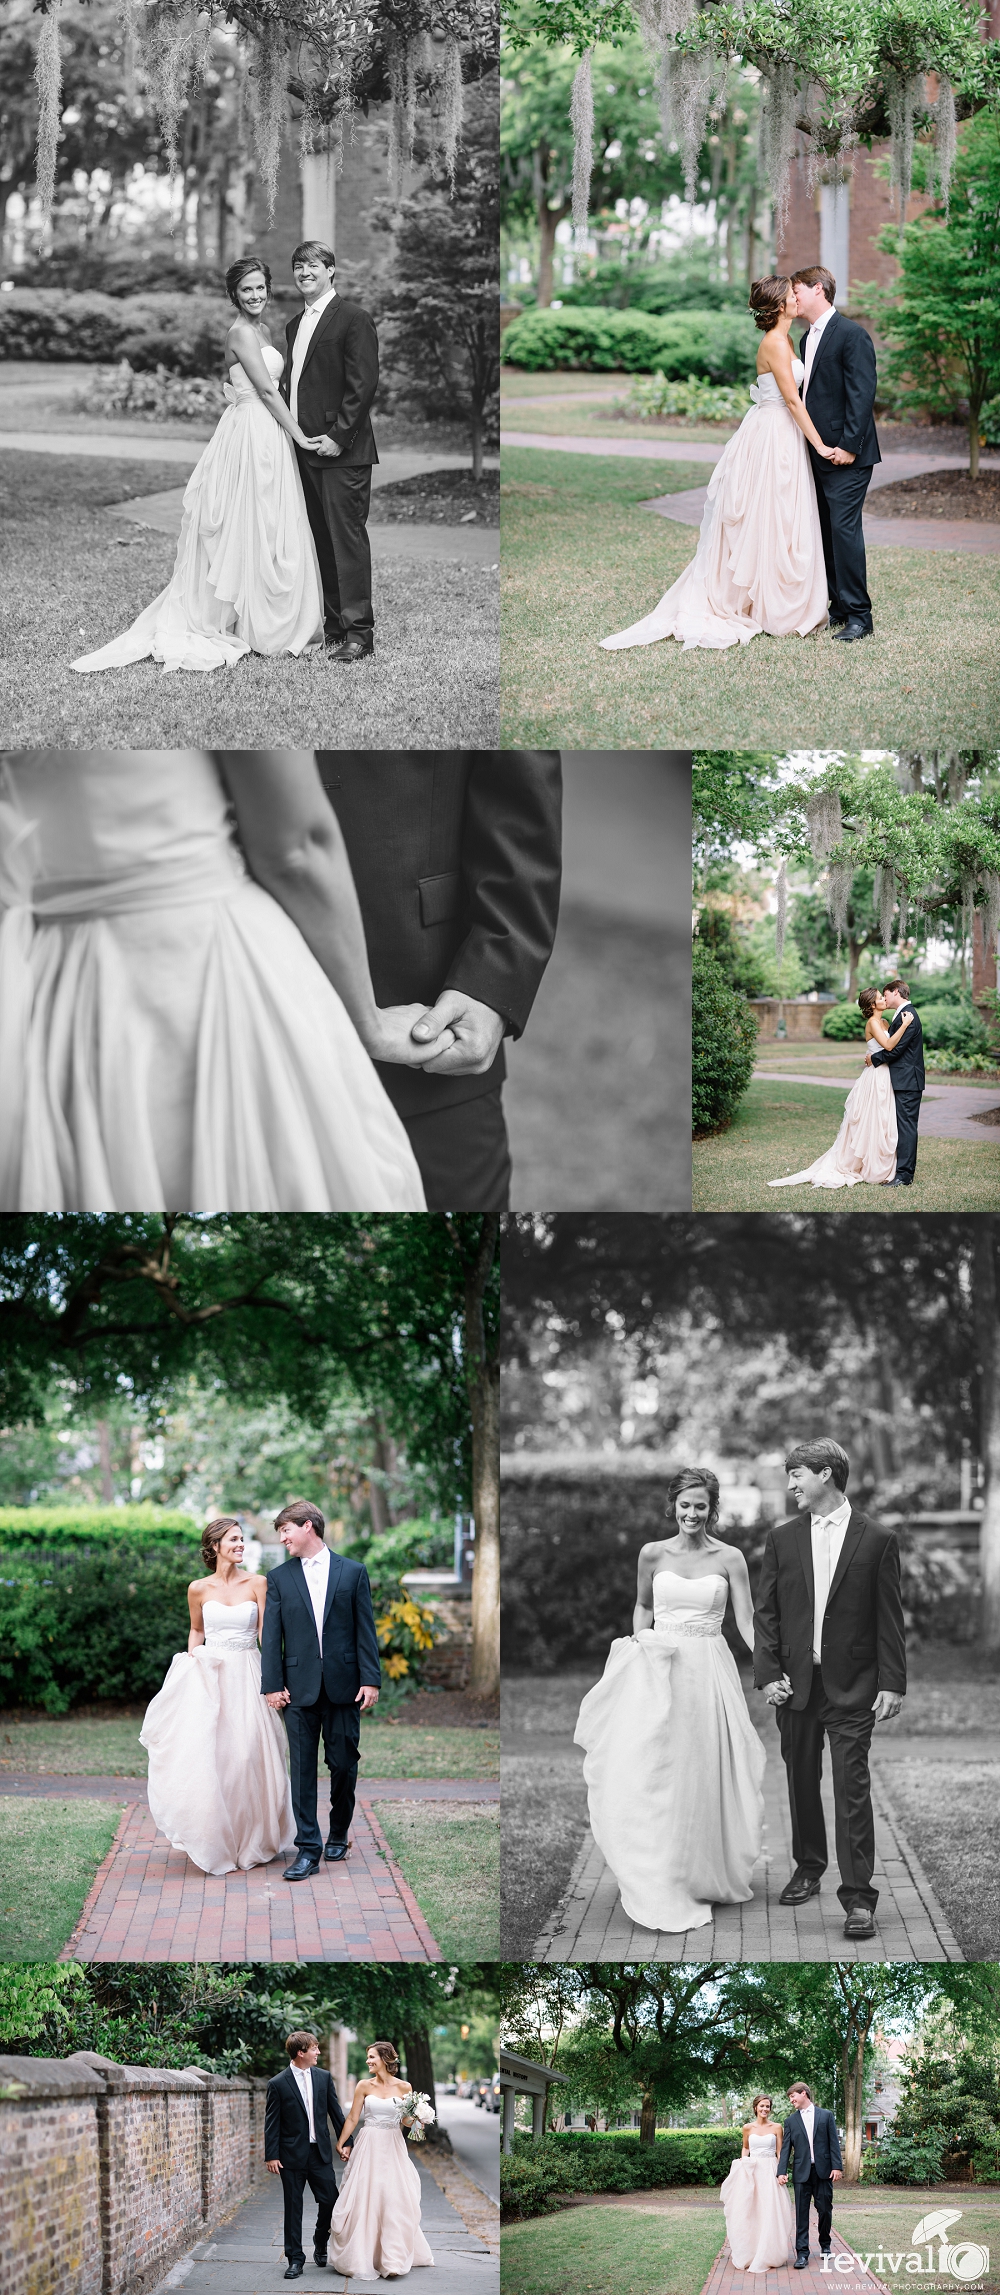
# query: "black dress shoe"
351,649
295,2271
801,2263
860,1922
336,1851
852,631
300,1871
799,1889
895,1183
320,2259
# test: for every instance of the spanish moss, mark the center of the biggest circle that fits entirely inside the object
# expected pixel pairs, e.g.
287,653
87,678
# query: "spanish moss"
825,820
777,139
581,112
48,74
267,95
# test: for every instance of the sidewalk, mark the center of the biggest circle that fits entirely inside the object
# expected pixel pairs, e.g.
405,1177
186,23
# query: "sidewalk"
246,2257
947,1111
725,2279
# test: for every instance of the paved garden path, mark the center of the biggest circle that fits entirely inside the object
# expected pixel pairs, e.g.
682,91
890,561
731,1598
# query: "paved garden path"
475,545
29,1785
947,1111
246,2257
725,2279
591,1924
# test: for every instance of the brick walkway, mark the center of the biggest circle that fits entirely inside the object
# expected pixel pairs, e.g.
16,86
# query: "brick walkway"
149,1902
725,2279
592,1925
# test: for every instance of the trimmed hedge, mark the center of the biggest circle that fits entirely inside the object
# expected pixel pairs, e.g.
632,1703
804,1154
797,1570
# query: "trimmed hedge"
720,346
844,1023
78,1626
65,1528
538,2175
952,1028
184,333
723,1044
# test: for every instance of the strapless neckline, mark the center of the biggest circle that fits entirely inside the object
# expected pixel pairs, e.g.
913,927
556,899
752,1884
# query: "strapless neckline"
230,1608
681,1580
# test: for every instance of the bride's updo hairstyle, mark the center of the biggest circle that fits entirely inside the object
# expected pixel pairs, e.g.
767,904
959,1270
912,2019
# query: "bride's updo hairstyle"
385,2049
212,1537
867,1002
767,301
242,269
694,1478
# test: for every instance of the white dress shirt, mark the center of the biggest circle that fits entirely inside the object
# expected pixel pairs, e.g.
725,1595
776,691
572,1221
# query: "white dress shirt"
317,1575
812,342
303,2082
828,1531
807,2115
305,331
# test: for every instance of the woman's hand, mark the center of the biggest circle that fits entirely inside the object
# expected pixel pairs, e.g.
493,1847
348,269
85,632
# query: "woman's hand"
826,453
343,2150
389,1037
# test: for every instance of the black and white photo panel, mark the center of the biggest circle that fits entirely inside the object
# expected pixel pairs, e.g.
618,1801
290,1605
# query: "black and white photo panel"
297,980
751,1634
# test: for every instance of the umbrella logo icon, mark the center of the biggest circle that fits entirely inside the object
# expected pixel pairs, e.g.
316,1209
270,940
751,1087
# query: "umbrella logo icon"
965,2261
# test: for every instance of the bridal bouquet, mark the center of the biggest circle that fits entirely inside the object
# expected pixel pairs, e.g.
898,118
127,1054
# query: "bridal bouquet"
418,2107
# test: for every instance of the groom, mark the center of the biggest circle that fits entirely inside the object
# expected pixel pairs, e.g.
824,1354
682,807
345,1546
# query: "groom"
456,856
810,2136
299,2104
830,1656
838,391
319,1663
329,382
905,1062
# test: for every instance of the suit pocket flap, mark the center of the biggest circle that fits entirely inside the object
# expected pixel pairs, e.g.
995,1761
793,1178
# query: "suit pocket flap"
863,1649
440,897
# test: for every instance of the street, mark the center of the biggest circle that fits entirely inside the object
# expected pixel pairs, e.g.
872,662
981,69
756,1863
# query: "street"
475,2137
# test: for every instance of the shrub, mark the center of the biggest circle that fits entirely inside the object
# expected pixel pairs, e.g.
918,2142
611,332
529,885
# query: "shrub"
539,2172
723,1043
940,1592
844,1023
904,2159
159,397
691,401
680,285
989,423
405,1634
76,1626
963,1063
67,1528
185,333
952,1028
133,271
719,346
417,1545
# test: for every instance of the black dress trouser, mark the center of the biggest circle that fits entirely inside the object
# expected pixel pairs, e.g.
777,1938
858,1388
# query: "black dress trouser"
818,2188
322,2183
907,1120
340,1728
840,496
849,1733
463,1154
338,499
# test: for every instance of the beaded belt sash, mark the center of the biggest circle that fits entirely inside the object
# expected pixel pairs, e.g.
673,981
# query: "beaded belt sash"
689,1629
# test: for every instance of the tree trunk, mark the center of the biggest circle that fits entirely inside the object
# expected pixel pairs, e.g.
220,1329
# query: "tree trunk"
477,442
104,1453
647,2118
987,1308
974,412
854,2085
420,2074
483,1376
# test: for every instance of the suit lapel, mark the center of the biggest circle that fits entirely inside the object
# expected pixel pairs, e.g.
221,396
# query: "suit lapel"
333,1580
804,1541
821,346
299,1582
852,1539
331,313
297,2093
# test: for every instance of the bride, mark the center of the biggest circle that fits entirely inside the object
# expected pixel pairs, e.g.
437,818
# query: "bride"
760,2218
188,1021
218,1787
865,1146
246,576
759,561
376,2231
674,1766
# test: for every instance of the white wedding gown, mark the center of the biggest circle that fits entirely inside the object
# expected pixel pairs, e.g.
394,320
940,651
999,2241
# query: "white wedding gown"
865,1146
167,1040
760,2216
759,561
674,1765
246,577
376,2230
218,1787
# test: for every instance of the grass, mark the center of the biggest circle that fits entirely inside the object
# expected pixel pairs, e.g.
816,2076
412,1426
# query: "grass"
450,1855
74,577
782,1127
581,560
949,1810
612,2251
95,1748
590,422
825,1057
544,1801
54,1849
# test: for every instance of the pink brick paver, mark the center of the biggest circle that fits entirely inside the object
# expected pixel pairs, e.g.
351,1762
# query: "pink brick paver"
149,1902
725,2279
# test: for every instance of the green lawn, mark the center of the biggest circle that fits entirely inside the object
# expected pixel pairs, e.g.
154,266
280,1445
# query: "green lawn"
781,1127
951,1812
581,560
49,1853
589,421
79,1747
450,1855
74,576
612,2251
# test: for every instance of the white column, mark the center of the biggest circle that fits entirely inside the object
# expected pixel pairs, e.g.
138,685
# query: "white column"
507,2122
835,235
319,196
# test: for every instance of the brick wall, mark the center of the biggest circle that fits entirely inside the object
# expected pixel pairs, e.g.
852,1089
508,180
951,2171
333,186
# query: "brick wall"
109,2172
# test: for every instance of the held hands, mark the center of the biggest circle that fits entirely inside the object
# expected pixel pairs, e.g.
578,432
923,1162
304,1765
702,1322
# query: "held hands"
839,455
782,2179
778,1692
463,1035
392,1037
325,446
886,1705
276,1698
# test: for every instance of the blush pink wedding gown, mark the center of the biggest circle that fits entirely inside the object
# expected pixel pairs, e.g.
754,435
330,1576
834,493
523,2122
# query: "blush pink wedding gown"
759,561
760,2217
218,1785
376,2231
865,1146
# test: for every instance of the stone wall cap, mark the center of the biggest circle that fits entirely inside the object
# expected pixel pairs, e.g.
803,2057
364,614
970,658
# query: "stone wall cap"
26,2078
153,2077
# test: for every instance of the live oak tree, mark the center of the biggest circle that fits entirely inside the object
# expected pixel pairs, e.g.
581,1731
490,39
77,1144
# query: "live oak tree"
943,321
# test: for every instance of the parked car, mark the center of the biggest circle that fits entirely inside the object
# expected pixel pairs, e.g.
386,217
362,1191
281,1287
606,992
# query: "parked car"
491,2101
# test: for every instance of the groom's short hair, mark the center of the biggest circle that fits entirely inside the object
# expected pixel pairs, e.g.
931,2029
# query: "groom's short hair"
319,252
795,2086
889,985
296,2041
302,1511
816,1455
815,275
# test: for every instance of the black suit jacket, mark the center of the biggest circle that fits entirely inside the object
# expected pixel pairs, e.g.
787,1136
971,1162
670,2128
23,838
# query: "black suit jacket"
864,1636
457,861
826,2146
842,384
904,1061
338,382
289,1647
286,2121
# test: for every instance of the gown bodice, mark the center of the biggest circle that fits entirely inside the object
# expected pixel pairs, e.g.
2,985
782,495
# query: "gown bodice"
765,390
103,832
230,1625
238,384
761,2144
689,1606
382,2112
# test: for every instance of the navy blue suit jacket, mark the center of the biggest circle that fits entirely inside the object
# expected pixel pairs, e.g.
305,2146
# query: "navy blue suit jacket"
905,1061
826,2146
289,1646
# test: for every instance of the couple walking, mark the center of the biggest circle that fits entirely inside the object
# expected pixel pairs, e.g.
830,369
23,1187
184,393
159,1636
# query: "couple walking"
760,2223
273,555
781,548
371,2229
216,1732
674,1765
877,1140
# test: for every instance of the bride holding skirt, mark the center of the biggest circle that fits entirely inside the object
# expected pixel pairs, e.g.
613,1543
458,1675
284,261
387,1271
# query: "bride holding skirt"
760,2217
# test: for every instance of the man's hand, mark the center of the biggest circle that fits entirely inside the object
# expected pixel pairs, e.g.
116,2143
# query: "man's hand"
776,1692
276,1698
392,1037
366,1697
836,2174
886,1705
473,1035
868,1053
782,2179
273,2167
840,455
